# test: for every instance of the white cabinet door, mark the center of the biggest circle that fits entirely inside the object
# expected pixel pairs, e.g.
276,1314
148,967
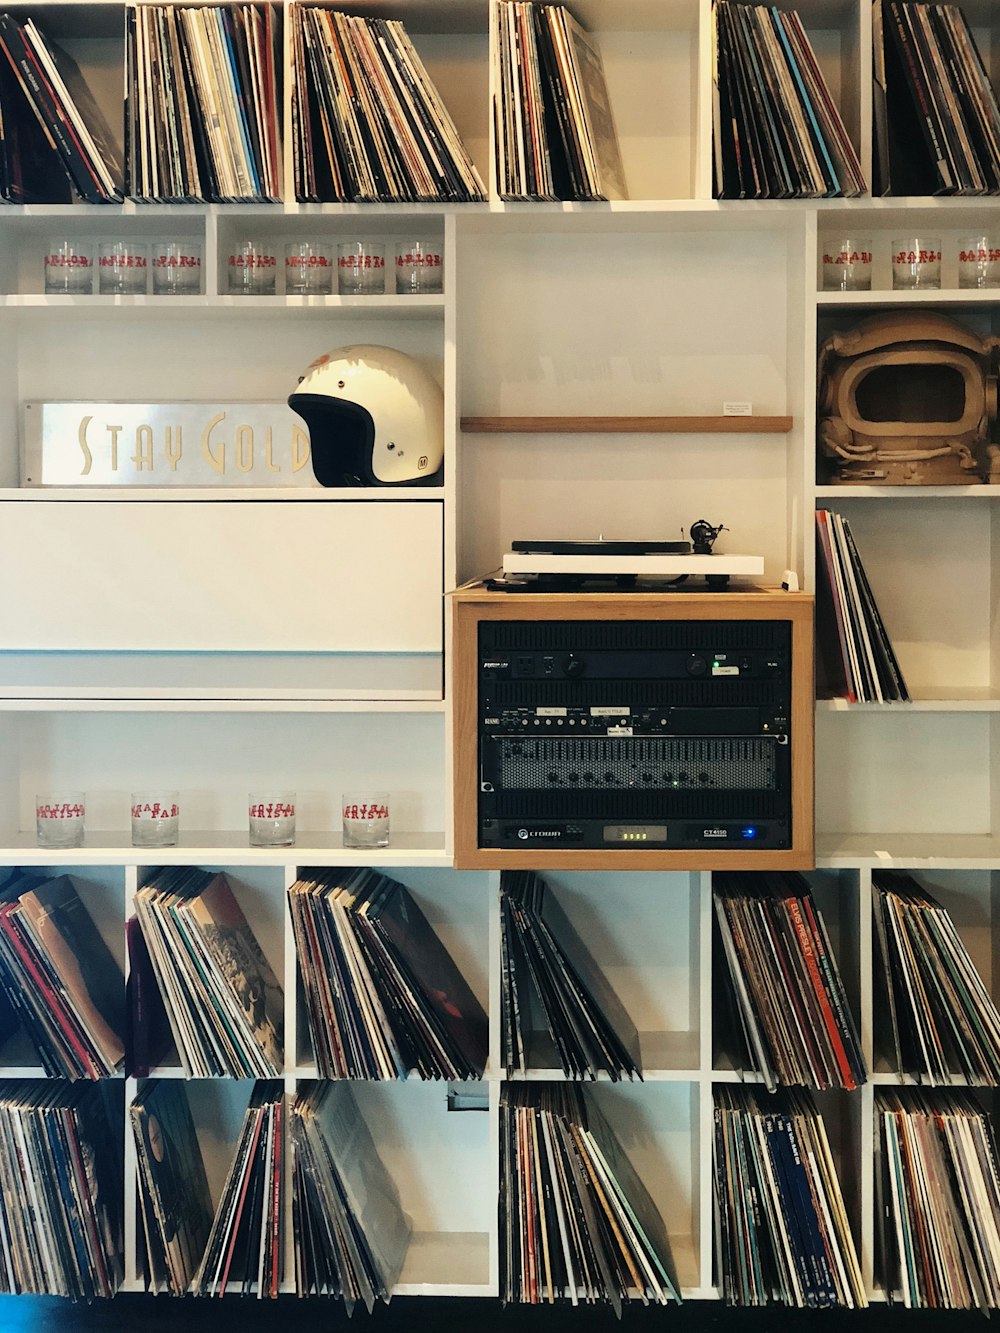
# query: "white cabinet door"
246,576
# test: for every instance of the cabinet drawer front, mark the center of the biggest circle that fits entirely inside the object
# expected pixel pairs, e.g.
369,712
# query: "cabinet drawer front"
231,576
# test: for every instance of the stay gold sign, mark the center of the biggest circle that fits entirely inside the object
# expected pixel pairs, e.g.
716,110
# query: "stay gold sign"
164,444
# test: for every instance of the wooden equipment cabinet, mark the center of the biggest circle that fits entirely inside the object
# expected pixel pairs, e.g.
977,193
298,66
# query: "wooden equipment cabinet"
475,604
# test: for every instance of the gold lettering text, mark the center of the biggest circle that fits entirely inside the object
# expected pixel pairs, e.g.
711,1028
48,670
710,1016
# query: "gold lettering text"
269,462
143,456
81,436
217,459
300,448
244,448
173,453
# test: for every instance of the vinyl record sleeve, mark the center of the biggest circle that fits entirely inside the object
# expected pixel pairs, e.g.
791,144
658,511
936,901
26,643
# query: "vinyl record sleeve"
172,1173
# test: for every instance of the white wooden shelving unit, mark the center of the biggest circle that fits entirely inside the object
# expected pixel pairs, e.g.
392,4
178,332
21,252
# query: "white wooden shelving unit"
210,640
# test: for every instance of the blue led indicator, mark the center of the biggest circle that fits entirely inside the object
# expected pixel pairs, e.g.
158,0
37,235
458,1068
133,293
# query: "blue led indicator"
749,833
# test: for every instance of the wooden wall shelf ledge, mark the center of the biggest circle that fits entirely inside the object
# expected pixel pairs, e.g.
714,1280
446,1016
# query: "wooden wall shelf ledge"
627,425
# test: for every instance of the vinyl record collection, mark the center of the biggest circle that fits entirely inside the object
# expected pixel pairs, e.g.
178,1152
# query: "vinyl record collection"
938,1216
174,1201
941,1020
368,123
351,1234
60,1208
937,121
554,131
855,658
53,138
777,131
384,997
782,1232
244,1246
787,988
557,1005
576,1222
202,108
223,1001
60,979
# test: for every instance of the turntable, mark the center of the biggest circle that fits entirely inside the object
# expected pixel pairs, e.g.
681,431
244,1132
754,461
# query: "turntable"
601,566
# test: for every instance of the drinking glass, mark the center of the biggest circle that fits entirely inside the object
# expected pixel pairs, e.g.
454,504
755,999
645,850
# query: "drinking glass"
847,265
360,268
366,819
176,268
59,819
418,267
916,262
69,268
308,268
978,262
271,818
122,268
252,268
155,818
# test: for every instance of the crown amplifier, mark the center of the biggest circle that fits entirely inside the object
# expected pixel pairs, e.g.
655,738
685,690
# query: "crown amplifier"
673,739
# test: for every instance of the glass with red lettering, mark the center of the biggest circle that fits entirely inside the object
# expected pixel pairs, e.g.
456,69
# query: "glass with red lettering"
69,268
122,268
155,818
366,819
916,262
252,268
308,268
176,268
360,268
847,265
978,262
418,267
59,818
271,817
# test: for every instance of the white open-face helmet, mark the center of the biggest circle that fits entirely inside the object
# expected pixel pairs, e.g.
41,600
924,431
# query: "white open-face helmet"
375,418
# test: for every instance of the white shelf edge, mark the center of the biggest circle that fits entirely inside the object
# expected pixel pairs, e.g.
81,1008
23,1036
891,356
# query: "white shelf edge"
882,1079
556,1075
262,211
925,296
975,700
980,492
416,701
377,303
309,1073
472,1290
216,494
226,848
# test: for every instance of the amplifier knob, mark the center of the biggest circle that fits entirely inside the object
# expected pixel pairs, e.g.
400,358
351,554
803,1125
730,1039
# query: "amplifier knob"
697,666
574,666
552,777
572,777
